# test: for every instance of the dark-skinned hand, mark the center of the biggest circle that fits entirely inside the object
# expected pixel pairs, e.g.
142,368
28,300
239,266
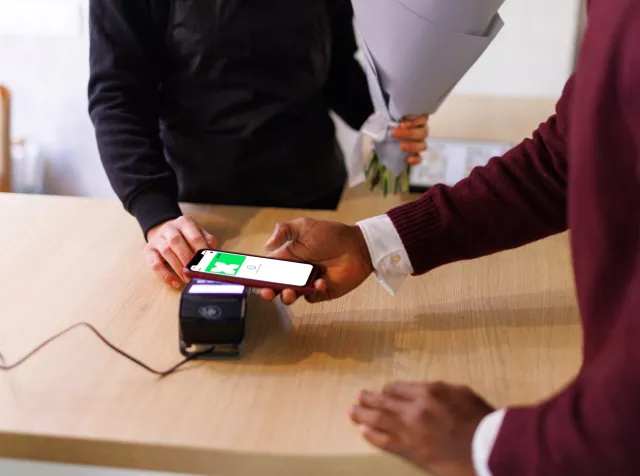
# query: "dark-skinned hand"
428,424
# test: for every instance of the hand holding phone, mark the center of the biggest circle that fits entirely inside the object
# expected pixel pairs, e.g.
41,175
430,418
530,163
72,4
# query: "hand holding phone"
335,259
171,245
339,249
253,271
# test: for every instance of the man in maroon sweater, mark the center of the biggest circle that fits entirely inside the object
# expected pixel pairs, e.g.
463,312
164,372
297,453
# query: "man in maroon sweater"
580,170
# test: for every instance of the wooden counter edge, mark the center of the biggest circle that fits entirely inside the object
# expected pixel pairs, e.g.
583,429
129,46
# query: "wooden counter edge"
207,462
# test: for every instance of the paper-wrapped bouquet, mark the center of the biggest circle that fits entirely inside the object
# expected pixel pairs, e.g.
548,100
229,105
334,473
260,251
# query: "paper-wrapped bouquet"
415,52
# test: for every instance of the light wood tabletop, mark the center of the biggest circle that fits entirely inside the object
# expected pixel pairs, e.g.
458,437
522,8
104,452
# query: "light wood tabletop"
506,324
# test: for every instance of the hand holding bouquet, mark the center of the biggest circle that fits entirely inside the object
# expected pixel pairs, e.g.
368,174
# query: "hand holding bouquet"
415,52
411,136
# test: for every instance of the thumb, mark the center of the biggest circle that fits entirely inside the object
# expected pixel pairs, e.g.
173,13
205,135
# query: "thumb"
282,233
283,252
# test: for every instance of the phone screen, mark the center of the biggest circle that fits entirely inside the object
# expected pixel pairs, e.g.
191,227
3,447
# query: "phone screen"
288,273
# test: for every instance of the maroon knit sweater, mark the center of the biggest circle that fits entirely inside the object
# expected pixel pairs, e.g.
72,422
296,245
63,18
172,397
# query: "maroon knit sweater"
580,170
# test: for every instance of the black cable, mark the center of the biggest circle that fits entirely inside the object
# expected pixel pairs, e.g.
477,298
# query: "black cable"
161,373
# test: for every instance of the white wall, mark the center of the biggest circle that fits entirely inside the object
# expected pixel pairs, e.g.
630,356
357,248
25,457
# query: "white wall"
48,79
532,56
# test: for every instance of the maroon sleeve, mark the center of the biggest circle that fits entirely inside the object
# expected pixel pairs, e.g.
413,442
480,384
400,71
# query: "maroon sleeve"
589,429
513,200
592,428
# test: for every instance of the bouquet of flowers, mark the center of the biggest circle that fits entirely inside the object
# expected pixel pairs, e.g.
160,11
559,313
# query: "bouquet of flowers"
415,52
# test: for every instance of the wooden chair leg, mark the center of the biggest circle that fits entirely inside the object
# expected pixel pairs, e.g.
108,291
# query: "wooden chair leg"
5,140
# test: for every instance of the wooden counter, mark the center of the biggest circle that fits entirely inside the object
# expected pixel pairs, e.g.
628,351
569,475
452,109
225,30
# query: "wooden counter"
506,324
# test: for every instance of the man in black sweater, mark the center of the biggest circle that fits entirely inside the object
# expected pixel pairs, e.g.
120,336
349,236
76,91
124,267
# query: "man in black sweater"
223,102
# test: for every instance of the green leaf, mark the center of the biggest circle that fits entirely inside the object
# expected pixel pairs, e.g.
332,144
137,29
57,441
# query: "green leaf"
377,174
386,182
404,180
373,177
372,161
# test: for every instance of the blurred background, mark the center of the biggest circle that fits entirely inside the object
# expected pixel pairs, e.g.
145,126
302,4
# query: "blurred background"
44,65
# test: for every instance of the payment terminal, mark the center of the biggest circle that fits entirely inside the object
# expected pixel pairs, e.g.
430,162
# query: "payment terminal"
213,316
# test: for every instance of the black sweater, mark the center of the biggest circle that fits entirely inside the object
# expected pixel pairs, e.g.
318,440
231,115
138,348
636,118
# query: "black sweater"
223,101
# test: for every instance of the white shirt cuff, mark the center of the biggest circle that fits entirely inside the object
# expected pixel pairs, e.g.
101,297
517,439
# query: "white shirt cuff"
483,441
390,260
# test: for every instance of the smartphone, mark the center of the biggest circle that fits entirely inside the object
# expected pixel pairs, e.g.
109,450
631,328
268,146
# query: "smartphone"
253,271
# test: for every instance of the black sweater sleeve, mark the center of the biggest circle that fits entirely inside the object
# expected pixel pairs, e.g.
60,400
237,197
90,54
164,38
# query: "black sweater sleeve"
124,107
346,90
